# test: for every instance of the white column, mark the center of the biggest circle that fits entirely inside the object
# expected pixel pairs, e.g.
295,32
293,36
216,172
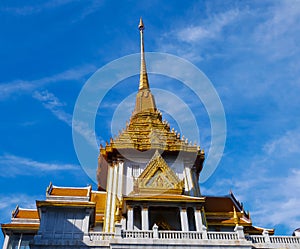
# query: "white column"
189,184
130,218
113,198
108,200
86,221
5,244
145,219
85,225
184,219
240,232
198,220
123,222
120,180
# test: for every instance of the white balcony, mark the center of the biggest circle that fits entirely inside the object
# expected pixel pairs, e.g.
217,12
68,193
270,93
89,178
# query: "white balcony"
202,238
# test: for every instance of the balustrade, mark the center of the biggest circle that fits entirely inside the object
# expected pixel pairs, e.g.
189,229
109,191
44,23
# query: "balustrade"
96,236
255,238
285,239
193,235
137,234
222,235
179,235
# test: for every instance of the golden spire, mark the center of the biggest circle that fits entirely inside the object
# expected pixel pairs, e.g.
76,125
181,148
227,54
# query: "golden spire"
144,98
143,73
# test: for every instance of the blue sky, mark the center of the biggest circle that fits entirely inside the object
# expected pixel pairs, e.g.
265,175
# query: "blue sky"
248,49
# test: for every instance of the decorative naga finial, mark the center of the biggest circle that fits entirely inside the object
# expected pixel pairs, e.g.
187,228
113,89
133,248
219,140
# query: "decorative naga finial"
143,73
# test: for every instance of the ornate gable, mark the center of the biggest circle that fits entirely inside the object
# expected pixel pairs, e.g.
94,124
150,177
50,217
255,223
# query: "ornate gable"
158,178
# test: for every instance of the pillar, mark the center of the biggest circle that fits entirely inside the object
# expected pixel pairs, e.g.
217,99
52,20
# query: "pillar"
145,219
6,239
108,200
184,219
113,198
118,230
155,231
198,220
266,236
240,231
120,179
123,222
130,218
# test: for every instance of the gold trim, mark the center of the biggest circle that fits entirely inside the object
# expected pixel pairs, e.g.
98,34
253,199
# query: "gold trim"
65,204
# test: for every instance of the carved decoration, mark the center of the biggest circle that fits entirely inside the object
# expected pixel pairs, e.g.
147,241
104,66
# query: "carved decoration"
158,178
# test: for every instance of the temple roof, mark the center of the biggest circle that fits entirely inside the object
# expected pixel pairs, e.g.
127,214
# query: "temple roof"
146,130
22,213
68,191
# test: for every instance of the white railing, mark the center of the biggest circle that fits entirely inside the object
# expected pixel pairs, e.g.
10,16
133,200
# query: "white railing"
273,239
96,236
193,235
285,239
137,234
222,235
179,235
256,238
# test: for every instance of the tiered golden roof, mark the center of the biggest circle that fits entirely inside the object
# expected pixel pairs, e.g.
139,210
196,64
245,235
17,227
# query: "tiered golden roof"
146,129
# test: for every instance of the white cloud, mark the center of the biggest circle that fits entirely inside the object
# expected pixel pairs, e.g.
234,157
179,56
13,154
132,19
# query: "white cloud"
34,9
90,6
284,145
9,202
211,28
16,165
280,201
24,86
269,185
53,104
278,35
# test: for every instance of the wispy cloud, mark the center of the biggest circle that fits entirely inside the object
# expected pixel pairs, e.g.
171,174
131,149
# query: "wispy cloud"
53,104
287,143
270,184
277,34
16,166
18,87
8,203
210,29
34,9
89,7
188,40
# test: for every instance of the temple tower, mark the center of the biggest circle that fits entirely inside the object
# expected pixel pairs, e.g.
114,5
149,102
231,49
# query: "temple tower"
148,160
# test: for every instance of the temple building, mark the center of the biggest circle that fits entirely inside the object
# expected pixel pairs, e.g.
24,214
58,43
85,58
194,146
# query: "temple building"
148,196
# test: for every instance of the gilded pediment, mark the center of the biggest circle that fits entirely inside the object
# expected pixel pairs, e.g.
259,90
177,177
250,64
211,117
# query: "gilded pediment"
158,178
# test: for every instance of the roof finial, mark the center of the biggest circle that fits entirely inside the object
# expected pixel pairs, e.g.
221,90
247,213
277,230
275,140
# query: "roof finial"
143,73
144,98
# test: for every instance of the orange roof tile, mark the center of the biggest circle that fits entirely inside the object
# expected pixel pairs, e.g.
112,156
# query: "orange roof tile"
59,191
25,214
